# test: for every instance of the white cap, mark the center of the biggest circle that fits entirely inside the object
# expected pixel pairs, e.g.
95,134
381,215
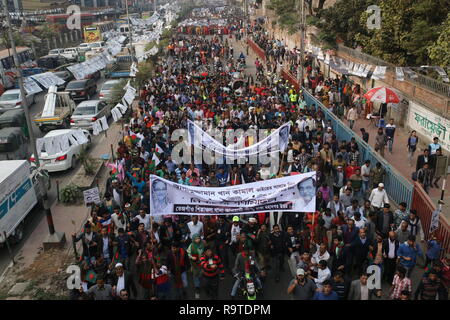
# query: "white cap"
119,265
300,272
252,219
381,185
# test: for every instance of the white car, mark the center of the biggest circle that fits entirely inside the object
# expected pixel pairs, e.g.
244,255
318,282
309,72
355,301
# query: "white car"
12,99
56,52
64,160
70,53
84,47
105,91
97,46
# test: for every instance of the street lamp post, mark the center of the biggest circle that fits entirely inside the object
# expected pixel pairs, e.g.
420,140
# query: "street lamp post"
129,31
54,238
302,41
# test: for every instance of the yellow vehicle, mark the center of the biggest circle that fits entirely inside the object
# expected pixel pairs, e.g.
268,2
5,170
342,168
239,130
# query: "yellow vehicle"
92,33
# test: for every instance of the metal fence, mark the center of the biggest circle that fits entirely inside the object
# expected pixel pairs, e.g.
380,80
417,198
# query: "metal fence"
429,83
425,207
398,188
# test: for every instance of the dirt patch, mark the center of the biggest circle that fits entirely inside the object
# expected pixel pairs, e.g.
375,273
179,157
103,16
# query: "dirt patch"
46,276
46,264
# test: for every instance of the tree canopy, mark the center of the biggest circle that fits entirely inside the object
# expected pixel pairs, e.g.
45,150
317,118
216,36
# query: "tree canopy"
412,33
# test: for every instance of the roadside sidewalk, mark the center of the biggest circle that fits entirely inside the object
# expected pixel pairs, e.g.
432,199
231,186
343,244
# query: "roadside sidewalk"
69,219
399,158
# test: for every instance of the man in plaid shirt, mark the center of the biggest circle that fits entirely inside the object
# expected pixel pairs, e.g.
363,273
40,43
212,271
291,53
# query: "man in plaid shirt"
400,283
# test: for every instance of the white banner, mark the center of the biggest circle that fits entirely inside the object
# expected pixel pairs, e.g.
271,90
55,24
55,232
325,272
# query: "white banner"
275,142
47,79
379,73
91,196
60,143
31,86
399,74
295,193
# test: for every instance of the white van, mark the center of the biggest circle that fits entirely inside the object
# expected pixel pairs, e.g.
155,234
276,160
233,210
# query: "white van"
83,47
97,46
71,53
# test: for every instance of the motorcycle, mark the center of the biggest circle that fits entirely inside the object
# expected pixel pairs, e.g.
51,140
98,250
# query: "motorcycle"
248,287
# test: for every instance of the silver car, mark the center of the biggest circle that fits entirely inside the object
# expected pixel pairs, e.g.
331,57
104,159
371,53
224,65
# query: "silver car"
105,91
12,99
87,112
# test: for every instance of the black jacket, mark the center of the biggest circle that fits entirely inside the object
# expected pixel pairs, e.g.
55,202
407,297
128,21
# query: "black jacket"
89,249
171,262
278,244
421,161
110,246
360,250
380,218
129,282
386,247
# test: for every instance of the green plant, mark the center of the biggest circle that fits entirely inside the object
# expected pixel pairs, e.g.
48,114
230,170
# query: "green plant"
87,162
70,194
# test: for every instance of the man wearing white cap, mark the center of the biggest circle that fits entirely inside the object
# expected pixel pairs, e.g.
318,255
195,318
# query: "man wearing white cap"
122,279
378,197
301,287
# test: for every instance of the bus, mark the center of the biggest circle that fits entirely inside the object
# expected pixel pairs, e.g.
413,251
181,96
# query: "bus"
7,75
60,20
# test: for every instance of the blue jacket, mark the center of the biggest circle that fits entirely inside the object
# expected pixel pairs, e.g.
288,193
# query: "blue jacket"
406,251
434,250
140,185
321,296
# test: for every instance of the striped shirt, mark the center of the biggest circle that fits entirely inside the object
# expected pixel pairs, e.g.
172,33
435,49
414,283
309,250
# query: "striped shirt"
206,264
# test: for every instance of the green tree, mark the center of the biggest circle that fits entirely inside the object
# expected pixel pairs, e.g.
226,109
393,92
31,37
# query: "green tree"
439,51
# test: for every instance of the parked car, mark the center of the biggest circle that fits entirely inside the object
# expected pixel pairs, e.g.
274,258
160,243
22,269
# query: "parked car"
56,52
106,89
12,99
84,47
97,46
64,160
71,54
87,112
67,76
81,89
13,144
51,62
14,118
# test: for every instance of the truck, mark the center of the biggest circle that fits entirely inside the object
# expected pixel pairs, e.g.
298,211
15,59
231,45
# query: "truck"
22,188
58,109
119,68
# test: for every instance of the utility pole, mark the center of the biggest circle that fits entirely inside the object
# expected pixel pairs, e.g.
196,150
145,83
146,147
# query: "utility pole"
54,239
302,41
129,32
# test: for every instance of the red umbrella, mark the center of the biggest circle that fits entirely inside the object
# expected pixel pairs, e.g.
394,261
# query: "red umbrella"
382,94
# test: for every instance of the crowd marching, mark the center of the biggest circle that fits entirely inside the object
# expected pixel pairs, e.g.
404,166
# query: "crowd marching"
327,252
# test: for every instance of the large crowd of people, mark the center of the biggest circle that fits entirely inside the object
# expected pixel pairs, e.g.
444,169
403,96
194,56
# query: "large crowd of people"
126,250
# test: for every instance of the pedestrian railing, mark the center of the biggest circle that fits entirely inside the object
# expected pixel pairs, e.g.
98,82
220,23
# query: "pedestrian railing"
259,52
398,188
424,206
